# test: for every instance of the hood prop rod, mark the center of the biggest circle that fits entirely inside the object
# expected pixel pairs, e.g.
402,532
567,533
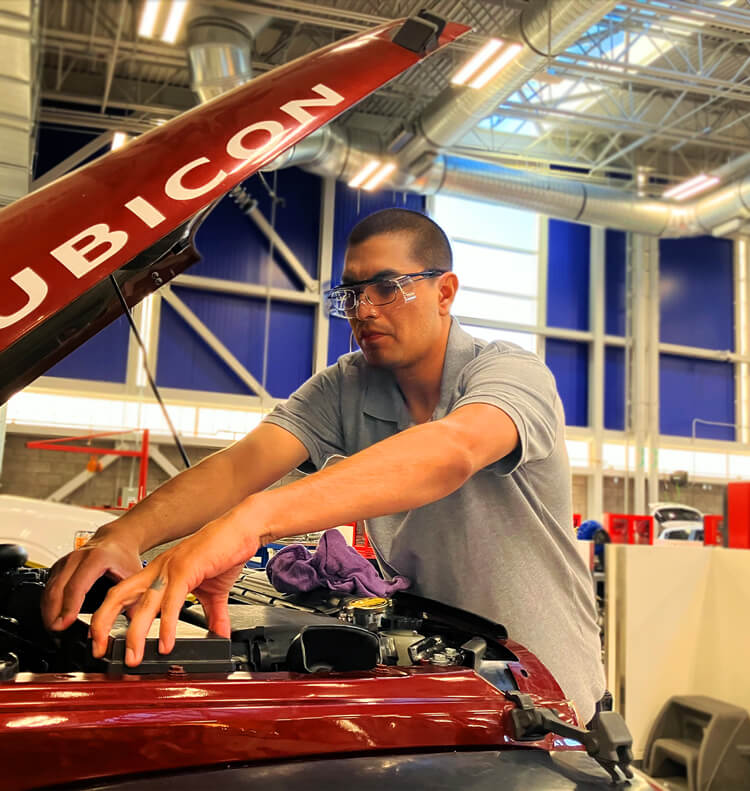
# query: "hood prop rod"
150,378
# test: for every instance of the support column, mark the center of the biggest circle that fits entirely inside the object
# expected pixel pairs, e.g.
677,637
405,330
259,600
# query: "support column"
653,369
325,267
742,342
639,392
542,267
597,296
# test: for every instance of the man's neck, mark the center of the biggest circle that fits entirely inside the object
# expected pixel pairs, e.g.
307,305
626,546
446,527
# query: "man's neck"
420,383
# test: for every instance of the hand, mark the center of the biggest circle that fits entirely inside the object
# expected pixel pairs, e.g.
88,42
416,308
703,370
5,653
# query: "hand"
206,564
71,577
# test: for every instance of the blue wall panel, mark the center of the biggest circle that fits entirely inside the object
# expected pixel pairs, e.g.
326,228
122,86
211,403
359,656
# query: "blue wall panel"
234,249
614,388
239,323
351,207
54,145
691,388
184,361
568,275
696,285
103,358
568,361
339,335
615,257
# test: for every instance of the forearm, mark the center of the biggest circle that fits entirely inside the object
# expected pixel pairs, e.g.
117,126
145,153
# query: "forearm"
209,489
408,470
179,507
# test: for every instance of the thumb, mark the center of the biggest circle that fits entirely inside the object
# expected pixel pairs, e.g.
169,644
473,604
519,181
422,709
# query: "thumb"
217,614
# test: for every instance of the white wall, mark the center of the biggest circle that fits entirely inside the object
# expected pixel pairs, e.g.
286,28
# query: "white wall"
676,625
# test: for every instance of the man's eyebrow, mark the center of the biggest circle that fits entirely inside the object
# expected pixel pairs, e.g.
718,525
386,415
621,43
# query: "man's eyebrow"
382,275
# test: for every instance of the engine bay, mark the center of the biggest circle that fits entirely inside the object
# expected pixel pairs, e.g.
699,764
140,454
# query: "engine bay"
313,633
305,633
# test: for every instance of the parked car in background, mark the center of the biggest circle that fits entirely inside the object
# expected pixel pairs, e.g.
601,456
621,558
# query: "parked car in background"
681,534
45,529
677,522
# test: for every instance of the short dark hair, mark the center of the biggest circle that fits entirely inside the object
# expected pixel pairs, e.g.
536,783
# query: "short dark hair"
430,246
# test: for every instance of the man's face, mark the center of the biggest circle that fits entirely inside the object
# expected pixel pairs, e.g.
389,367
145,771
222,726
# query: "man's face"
399,334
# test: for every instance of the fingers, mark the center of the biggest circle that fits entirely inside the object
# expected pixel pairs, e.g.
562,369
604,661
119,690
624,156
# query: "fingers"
52,596
143,616
120,597
71,579
163,585
145,594
69,583
217,614
171,605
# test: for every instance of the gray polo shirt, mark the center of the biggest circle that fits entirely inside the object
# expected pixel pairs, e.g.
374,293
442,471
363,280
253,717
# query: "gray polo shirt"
502,545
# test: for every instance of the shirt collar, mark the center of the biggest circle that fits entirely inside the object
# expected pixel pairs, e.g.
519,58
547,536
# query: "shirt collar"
383,399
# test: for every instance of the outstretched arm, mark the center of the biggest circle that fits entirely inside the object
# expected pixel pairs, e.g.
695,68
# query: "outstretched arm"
178,508
413,468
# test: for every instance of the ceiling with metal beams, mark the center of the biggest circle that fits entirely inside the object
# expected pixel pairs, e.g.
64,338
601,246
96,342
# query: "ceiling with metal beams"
655,92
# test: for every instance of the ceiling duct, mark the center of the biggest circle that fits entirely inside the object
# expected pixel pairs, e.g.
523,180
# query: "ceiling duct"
562,198
544,28
220,51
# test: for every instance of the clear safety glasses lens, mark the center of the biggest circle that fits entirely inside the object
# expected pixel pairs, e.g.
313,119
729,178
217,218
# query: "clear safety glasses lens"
343,302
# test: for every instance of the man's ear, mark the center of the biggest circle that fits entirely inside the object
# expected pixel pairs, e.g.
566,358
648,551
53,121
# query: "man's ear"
447,287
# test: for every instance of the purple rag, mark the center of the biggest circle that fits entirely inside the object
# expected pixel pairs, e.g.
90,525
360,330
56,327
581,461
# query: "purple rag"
334,565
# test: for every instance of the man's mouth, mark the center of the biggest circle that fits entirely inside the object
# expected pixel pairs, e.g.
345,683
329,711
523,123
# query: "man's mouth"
370,337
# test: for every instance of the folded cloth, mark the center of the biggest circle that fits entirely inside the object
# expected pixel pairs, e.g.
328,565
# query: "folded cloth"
334,565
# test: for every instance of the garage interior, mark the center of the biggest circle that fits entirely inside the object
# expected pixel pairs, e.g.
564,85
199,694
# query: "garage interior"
596,192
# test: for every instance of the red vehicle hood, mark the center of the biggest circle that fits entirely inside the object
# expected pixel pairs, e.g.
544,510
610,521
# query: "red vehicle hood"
130,211
95,726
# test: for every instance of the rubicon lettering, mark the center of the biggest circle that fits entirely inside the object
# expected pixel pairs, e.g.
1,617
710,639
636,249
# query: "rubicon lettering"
92,246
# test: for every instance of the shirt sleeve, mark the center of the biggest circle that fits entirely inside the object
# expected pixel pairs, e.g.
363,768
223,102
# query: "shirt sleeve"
519,383
313,414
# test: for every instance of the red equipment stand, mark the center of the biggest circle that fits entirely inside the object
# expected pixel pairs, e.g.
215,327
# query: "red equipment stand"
712,530
59,444
629,528
361,544
738,514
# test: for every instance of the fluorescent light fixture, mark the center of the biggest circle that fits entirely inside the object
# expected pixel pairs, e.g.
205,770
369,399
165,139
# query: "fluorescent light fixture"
379,176
365,173
148,18
479,59
119,140
174,20
707,184
685,185
503,59
690,187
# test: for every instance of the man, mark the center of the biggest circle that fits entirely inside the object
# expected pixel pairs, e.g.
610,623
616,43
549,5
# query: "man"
456,459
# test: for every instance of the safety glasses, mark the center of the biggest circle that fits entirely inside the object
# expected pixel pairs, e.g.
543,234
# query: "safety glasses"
343,301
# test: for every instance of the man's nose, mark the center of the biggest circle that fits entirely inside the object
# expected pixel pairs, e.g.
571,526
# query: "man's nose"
365,310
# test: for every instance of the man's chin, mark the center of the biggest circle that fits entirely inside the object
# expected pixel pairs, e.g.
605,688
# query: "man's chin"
376,358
